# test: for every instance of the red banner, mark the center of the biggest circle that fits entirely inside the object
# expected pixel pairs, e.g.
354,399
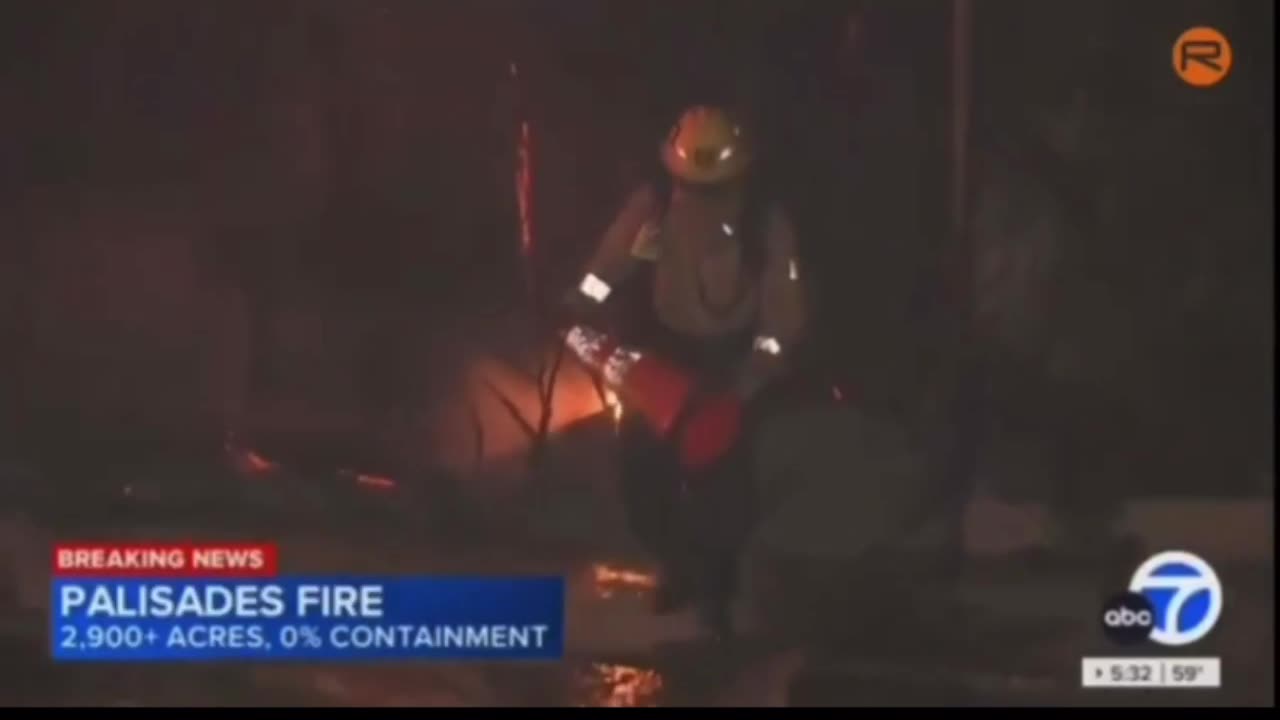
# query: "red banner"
242,560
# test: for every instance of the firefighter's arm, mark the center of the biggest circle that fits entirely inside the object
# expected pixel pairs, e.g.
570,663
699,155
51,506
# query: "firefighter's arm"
612,260
783,312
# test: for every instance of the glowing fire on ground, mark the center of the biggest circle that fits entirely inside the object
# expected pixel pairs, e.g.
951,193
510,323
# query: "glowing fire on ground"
247,461
608,579
257,463
624,686
375,482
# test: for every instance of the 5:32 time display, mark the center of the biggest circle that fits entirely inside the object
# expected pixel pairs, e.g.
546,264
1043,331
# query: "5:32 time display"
1133,673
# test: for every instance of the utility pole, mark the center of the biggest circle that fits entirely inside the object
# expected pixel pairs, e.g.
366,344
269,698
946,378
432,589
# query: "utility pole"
961,89
965,373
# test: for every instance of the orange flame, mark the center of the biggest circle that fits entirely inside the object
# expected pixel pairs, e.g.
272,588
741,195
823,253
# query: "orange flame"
622,576
250,462
257,463
245,460
609,579
625,686
376,482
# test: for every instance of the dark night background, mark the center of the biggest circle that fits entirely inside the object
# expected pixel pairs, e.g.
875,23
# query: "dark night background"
216,208
296,219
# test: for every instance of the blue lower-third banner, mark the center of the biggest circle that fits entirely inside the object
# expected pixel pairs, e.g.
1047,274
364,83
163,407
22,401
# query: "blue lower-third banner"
305,618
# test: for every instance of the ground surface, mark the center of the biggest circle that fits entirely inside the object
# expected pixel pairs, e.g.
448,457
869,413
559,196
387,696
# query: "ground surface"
1007,629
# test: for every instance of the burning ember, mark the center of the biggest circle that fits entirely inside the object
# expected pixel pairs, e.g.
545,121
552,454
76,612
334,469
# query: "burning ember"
376,481
246,461
373,482
624,686
524,185
608,580
257,463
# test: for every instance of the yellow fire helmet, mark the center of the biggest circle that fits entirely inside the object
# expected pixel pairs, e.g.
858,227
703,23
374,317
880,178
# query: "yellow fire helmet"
706,146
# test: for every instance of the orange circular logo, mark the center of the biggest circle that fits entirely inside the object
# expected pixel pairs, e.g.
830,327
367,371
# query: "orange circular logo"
1202,57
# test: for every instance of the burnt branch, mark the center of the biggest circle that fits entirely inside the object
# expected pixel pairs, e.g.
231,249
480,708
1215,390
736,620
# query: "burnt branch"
547,392
550,372
512,409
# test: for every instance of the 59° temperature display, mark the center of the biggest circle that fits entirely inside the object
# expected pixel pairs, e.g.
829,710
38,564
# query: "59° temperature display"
1168,672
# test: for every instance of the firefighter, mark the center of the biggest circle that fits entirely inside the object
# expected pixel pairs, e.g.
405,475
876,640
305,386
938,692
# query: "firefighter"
700,268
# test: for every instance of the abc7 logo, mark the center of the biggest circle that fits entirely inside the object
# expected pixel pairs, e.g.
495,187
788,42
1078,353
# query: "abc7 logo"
1127,619
1174,599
